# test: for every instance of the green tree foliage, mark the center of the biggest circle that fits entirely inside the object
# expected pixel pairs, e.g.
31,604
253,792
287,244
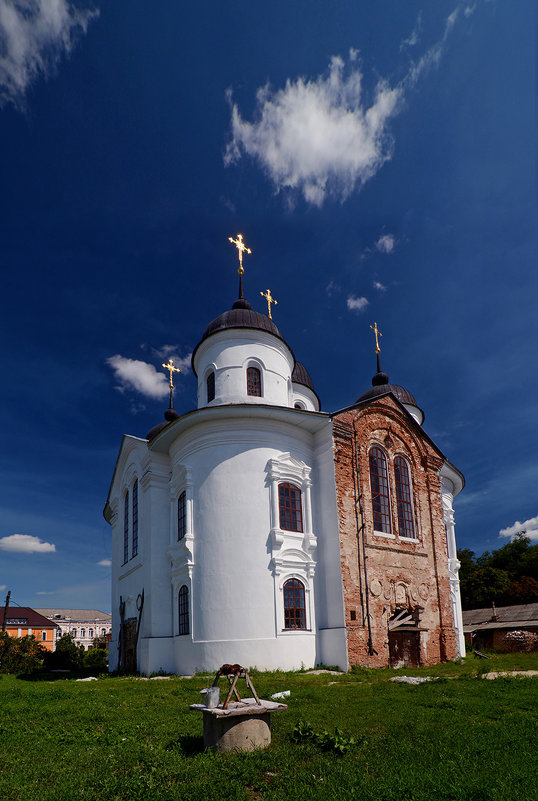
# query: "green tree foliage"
506,576
67,656
20,654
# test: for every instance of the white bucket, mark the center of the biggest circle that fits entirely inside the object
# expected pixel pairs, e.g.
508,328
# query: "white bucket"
211,697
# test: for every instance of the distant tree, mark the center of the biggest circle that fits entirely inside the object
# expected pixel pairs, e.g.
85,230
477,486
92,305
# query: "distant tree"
67,656
96,659
507,576
20,654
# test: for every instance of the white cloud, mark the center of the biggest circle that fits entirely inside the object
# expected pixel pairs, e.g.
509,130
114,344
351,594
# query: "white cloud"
34,34
138,375
318,137
105,562
25,543
530,527
357,304
50,592
413,37
379,286
469,10
385,243
3,587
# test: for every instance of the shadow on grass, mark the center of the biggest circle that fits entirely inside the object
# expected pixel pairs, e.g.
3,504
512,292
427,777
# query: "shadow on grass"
189,745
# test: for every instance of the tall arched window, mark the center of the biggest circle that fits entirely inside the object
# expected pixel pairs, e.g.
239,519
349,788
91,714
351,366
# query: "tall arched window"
210,386
406,525
126,528
289,502
135,519
90,633
83,633
294,604
254,382
380,490
182,515
183,610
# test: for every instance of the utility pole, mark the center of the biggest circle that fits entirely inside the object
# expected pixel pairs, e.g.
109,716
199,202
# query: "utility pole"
8,596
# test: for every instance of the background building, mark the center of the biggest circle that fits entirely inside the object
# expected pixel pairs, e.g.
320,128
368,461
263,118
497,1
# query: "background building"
22,621
83,624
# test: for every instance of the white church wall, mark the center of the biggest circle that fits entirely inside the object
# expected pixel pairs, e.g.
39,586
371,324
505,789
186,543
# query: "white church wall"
229,353
451,484
304,397
332,633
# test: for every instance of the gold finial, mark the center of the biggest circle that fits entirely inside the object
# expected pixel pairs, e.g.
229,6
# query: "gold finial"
268,297
241,248
378,334
171,369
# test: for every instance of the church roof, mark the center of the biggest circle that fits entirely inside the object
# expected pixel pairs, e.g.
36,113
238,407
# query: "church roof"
241,315
169,416
301,375
381,386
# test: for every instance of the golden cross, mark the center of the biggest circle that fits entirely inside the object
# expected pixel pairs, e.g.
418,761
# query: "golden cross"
171,369
241,248
269,299
377,333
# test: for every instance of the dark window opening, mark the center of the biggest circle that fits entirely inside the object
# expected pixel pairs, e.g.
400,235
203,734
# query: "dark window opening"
254,382
126,528
352,614
135,518
183,609
406,526
380,490
210,384
181,516
289,501
294,605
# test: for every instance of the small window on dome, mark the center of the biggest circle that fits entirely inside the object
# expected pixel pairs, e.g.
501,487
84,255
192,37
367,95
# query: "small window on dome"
254,382
210,384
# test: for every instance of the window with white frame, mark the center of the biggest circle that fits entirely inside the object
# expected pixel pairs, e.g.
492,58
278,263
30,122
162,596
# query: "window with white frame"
379,485
402,477
181,515
294,604
126,527
134,550
183,610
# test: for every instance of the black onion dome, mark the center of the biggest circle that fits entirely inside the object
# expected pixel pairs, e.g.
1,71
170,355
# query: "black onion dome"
241,315
381,386
301,375
169,416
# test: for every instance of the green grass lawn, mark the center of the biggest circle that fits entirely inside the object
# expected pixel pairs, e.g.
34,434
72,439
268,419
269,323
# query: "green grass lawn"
461,737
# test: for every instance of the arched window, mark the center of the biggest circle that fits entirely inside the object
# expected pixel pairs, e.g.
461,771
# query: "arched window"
44,635
90,633
210,386
73,633
380,490
83,633
254,382
406,526
183,609
294,604
126,528
135,518
289,502
103,632
181,515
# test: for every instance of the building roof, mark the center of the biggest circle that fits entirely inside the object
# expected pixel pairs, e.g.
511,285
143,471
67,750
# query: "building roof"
32,617
241,315
82,615
301,375
381,386
502,617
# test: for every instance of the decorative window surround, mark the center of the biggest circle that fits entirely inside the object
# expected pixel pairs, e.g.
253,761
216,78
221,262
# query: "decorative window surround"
306,580
289,469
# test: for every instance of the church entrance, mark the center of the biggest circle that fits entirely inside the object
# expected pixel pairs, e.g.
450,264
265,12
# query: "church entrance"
404,648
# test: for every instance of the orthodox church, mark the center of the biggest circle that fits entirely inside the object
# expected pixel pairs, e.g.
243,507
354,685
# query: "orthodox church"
258,529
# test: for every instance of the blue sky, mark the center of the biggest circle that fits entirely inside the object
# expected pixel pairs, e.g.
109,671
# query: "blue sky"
380,160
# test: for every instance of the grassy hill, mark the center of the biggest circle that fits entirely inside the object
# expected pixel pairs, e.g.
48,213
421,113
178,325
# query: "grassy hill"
460,737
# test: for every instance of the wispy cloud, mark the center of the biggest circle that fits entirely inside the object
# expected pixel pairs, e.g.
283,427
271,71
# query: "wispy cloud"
165,352
3,587
138,375
43,592
105,562
320,137
379,286
530,527
385,243
357,304
34,35
413,37
25,543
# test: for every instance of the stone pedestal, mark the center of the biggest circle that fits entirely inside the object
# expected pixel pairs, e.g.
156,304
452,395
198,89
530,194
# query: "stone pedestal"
244,726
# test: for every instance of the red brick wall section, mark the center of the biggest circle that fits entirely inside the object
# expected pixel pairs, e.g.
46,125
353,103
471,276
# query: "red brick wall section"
384,576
